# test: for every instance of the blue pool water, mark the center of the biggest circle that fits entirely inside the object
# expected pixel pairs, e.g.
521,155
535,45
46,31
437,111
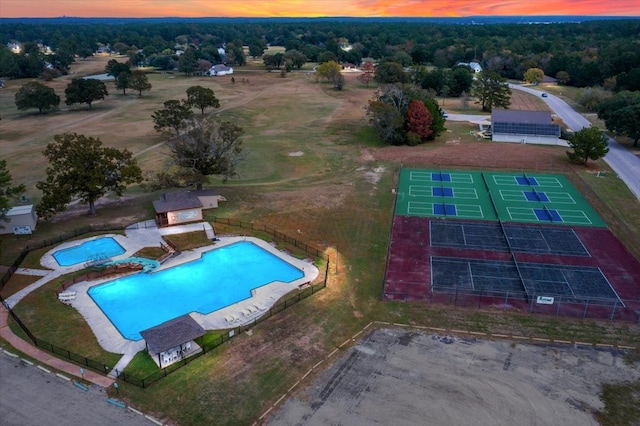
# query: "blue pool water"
103,247
221,277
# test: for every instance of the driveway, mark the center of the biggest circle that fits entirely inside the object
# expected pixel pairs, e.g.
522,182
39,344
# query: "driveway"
621,160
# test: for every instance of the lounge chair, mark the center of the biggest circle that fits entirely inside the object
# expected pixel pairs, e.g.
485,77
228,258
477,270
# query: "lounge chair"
230,318
252,309
260,307
246,312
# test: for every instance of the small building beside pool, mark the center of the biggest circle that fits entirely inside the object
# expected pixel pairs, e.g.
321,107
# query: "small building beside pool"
176,208
172,340
22,220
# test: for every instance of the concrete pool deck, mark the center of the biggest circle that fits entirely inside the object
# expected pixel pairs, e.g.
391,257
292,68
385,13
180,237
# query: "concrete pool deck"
108,336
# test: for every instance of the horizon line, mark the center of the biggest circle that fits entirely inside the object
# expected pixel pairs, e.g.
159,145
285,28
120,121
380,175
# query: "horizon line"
317,17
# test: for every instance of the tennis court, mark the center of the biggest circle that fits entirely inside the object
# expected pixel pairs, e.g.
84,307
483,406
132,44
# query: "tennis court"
436,193
509,197
506,237
492,239
576,284
539,198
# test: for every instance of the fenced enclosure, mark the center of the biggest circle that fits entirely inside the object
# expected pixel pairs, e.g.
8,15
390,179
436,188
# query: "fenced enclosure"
106,368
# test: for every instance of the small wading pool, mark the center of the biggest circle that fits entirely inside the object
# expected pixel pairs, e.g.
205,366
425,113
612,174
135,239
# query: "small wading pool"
100,248
221,277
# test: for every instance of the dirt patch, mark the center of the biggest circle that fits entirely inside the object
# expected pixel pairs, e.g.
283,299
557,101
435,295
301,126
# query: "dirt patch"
394,376
481,154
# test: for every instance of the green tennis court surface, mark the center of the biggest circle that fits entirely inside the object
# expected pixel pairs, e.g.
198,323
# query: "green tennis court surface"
457,194
510,197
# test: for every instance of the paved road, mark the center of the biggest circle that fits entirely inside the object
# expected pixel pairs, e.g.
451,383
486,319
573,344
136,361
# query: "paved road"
29,396
622,161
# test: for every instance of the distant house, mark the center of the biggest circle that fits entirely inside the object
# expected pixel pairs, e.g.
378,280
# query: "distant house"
475,67
220,69
549,81
176,208
22,220
172,341
524,127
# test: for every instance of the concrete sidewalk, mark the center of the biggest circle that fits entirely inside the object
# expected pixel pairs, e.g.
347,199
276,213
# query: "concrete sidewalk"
46,358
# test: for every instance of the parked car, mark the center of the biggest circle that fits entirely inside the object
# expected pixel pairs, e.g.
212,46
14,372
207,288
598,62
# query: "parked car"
544,95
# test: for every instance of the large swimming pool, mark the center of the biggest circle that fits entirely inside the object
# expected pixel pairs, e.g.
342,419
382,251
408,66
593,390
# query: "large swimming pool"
221,277
100,248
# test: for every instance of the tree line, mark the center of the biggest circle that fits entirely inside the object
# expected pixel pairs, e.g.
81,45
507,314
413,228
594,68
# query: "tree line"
579,54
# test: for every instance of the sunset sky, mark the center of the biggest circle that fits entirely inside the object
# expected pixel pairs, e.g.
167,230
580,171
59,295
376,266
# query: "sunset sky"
313,8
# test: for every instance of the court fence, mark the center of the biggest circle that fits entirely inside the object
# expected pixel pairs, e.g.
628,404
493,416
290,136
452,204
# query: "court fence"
562,306
205,344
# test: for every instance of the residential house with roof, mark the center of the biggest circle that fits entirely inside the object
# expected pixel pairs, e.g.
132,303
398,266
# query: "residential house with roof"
220,69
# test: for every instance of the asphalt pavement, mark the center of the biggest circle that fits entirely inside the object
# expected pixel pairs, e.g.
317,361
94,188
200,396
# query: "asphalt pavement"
621,160
30,396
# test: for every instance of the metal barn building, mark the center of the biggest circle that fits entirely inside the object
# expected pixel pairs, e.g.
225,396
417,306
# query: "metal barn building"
534,127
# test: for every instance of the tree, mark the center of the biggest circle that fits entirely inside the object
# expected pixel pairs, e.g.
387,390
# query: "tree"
202,98
7,191
391,72
491,90
115,68
123,82
387,121
139,81
625,121
389,114
256,49
208,147
273,61
588,144
368,73
533,75
562,77
188,63
79,166
329,70
418,121
295,57
36,95
172,118
85,91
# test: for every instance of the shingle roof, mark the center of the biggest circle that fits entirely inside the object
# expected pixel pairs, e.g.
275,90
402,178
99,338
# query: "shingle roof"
515,116
171,334
179,201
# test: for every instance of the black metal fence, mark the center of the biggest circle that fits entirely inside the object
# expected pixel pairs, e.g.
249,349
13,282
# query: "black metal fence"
566,306
230,334
104,368
275,233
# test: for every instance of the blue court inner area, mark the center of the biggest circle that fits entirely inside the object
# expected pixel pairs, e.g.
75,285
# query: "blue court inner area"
440,177
548,215
525,180
445,209
442,192
535,196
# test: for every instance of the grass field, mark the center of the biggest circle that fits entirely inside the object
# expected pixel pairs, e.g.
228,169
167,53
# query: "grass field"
314,171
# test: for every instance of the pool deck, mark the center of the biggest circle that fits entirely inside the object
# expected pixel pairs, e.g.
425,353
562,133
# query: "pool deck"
147,235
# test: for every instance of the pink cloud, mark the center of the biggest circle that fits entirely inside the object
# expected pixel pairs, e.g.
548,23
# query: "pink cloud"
311,8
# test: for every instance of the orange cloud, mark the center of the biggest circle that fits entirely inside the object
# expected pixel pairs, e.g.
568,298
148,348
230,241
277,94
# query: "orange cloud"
313,8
